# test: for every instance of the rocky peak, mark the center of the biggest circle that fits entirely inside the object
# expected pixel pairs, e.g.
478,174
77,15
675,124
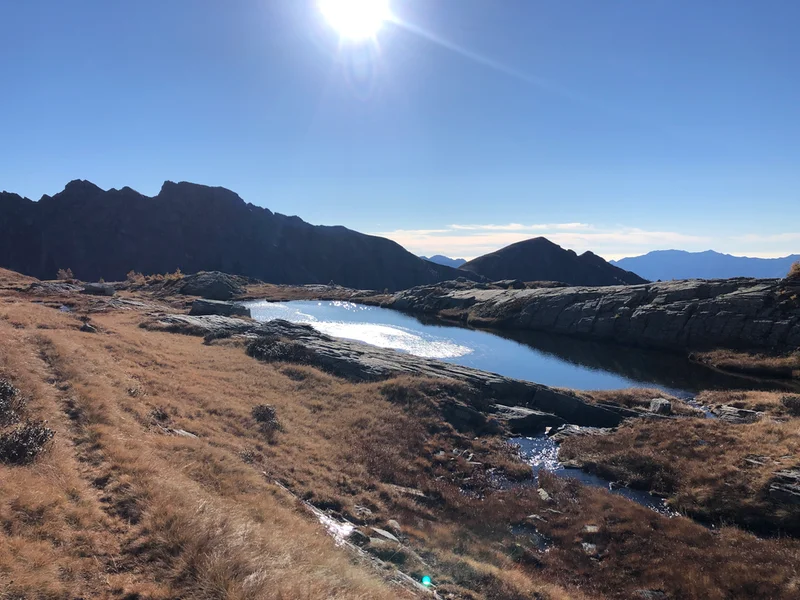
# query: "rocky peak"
184,190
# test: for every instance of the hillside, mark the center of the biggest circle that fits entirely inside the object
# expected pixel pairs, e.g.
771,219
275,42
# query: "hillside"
539,259
679,264
291,465
106,234
440,259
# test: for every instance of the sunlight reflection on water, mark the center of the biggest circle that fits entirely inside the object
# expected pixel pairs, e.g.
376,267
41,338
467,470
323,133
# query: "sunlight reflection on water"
381,335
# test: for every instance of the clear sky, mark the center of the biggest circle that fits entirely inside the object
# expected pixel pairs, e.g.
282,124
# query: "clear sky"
619,126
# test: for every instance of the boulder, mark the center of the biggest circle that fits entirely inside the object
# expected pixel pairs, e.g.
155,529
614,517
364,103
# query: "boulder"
737,416
87,328
526,421
212,285
358,538
784,487
394,527
98,289
661,406
567,431
219,307
510,284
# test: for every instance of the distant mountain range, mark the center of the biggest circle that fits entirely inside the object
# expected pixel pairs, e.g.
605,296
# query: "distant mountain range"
439,259
679,264
99,233
539,259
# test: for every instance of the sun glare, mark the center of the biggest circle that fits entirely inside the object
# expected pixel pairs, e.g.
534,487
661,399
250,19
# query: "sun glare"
355,19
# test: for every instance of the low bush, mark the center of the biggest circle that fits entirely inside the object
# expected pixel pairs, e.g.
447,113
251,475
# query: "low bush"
11,404
65,274
267,418
794,272
22,445
792,404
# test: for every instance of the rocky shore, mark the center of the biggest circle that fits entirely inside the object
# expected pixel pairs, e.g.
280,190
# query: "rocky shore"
536,406
746,314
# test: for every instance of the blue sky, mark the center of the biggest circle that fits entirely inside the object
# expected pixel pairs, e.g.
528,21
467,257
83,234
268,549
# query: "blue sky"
619,126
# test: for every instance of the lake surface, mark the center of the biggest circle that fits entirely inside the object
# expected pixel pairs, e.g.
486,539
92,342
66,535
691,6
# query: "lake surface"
551,360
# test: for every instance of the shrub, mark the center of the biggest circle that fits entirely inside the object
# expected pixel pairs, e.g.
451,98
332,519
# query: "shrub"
792,404
134,277
159,414
11,403
22,445
794,272
267,418
65,274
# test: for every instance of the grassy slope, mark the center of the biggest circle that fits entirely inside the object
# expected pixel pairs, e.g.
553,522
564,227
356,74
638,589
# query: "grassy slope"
118,507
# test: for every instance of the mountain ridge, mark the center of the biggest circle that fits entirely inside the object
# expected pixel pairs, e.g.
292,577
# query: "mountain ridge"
709,264
441,259
539,259
107,233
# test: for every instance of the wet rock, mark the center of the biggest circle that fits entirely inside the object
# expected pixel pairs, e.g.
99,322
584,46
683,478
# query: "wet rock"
212,285
98,289
784,486
661,406
737,416
87,328
358,538
219,307
526,421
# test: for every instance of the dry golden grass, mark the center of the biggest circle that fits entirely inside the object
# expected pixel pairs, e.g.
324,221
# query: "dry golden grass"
120,506
637,398
783,366
781,404
712,470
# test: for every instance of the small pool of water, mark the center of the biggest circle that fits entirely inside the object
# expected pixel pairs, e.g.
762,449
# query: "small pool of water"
541,452
551,360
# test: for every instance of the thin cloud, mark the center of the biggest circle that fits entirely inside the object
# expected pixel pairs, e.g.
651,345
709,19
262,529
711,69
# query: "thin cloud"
469,241
521,227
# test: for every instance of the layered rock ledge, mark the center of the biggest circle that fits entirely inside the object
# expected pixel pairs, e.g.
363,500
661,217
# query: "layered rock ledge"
746,314
539,406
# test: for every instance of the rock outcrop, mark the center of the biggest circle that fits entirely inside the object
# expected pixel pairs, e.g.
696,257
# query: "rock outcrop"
678,315
99,289
212,285
283,341
217,307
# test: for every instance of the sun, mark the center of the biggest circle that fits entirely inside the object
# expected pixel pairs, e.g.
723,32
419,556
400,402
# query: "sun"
355,19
